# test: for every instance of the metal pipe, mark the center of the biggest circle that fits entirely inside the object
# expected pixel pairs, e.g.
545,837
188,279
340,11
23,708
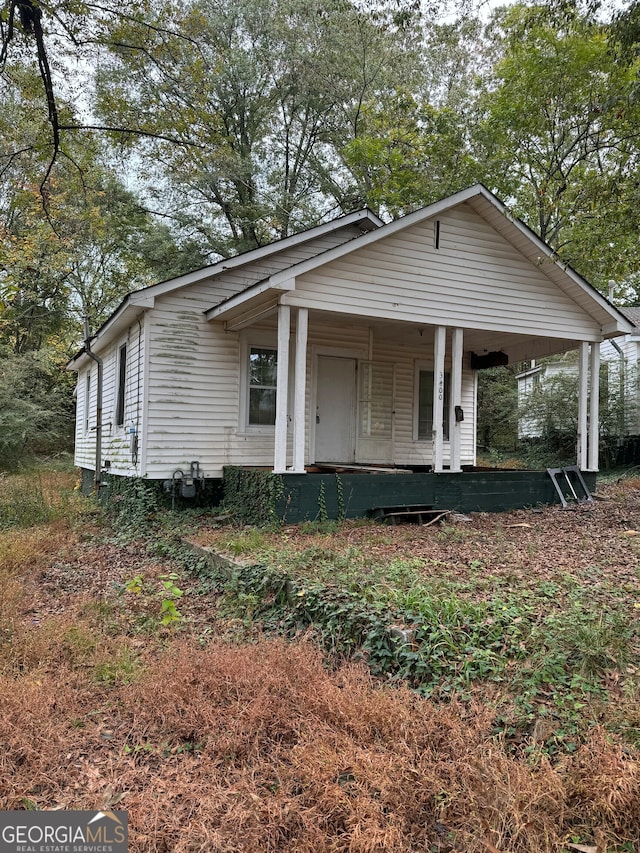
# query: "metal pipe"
98,361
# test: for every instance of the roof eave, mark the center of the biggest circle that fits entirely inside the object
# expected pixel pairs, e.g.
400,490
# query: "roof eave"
127,313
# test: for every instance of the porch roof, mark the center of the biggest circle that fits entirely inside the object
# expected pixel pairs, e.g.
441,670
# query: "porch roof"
260,299
138,301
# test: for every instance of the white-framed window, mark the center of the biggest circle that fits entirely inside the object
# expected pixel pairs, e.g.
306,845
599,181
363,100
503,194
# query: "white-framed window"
263,372
423,403
87,401
122,384
258,379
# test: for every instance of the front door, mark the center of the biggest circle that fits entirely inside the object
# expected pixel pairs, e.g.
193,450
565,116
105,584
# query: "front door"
335,410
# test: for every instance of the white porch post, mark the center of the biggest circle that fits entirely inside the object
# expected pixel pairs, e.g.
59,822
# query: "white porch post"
583,386
439,346
456,398
300,383
282,390
594,408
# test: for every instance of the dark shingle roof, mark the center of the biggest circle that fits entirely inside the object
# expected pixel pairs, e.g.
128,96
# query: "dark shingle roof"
632,314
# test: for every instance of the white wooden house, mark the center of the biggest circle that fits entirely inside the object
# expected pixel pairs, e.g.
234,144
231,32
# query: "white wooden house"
354,343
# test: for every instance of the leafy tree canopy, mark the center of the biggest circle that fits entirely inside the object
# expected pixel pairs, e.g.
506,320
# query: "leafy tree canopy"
560,133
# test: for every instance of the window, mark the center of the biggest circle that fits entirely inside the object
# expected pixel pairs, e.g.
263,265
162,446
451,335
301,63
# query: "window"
122,376
87,400
263,365
424,404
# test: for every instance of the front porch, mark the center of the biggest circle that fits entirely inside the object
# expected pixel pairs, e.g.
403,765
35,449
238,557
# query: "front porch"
348,493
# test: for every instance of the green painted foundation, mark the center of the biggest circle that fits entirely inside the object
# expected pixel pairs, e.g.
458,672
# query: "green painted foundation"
306,497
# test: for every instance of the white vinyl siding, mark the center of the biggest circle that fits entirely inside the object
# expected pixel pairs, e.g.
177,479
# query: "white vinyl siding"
116,439
84,453
196,387
475,280
408,450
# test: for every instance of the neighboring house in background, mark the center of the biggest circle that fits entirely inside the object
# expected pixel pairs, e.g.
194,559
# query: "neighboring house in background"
619,362
535,376
623,359
355,343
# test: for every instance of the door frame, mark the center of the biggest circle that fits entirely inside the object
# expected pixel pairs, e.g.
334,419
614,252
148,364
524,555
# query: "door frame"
331,352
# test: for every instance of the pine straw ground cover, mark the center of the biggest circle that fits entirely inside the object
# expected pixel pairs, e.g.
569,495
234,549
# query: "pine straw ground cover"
216,744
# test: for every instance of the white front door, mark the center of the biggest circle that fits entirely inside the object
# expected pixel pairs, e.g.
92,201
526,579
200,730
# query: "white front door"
335,410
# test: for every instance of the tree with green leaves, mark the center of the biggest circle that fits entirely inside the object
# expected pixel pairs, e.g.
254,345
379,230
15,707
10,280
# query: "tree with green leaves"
497,410
407,154
47,53
267,93
92,245
36,405
561,134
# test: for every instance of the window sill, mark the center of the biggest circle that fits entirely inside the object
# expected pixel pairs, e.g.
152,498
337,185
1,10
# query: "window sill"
249,431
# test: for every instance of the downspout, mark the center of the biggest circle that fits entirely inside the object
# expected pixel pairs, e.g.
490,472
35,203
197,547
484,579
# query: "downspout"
98,361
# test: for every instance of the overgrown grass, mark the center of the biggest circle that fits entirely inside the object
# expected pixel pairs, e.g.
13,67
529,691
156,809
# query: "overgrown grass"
520,731
38,497
559,645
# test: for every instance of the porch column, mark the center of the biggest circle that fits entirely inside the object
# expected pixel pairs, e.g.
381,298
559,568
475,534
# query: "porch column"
594,407
583,390
282,390
300,383
456,399
439,346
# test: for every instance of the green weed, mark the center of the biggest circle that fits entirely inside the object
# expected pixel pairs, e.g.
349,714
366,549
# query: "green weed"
27,500
423,633
167,593
249,540
121,668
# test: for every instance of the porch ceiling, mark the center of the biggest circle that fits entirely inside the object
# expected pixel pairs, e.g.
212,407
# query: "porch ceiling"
521,347
418,336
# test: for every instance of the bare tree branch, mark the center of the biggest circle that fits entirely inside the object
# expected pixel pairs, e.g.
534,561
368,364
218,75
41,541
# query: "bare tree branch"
133,131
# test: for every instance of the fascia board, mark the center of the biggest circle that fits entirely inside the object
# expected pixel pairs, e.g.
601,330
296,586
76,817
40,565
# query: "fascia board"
622,324
615,330
254,255
218,312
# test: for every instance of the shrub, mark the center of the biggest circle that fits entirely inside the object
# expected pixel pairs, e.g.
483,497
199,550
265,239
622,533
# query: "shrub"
36,408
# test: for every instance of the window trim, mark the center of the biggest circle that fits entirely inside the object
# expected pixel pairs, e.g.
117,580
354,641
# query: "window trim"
121,385
86,415
249,341
427,367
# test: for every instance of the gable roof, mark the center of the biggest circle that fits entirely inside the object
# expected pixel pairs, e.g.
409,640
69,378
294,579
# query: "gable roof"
142,299
487,205
633,315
